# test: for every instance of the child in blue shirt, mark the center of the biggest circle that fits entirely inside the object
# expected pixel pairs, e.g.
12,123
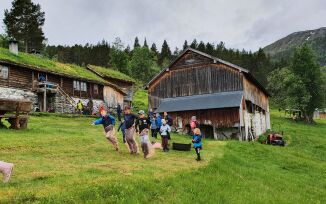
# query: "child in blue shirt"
153,126
196,139
108,122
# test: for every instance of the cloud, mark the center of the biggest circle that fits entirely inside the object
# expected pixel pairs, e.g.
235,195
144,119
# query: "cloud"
240,24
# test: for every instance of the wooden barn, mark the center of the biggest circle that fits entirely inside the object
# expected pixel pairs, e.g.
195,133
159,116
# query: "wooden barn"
50,85
226,99
121,80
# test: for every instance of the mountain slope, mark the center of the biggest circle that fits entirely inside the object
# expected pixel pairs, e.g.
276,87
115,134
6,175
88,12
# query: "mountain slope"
284,47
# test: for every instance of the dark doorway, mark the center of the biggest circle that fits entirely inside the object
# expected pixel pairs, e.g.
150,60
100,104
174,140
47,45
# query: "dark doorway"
207,131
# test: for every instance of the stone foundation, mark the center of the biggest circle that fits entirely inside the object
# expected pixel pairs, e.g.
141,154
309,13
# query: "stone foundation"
10,93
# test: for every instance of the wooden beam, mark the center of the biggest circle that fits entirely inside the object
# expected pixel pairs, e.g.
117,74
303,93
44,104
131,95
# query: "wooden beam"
44,99
32,80
215,132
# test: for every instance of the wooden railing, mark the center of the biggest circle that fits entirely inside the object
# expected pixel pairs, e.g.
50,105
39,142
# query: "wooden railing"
46,86
66,96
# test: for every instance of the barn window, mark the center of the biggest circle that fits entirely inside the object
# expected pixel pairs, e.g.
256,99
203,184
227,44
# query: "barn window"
95,89
83,86
4,72
77,85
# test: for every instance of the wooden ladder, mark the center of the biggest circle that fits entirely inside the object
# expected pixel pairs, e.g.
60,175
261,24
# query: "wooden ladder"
67,97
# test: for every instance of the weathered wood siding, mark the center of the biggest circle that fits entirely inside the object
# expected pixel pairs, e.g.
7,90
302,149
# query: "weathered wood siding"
194,80
220,118
255,94
112,97
190,59
127,87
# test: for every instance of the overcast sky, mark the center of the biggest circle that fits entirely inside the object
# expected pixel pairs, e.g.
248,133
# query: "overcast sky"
247,24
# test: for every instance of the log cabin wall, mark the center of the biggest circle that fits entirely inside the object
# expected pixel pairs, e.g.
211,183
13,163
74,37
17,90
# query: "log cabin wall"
27,79
100,92
4,75
194,80
18,78
67,85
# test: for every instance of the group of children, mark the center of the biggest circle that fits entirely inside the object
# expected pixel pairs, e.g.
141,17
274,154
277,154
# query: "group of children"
132,124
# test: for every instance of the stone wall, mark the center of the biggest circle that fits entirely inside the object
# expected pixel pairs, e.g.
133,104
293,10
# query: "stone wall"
96,103
11,93
61,105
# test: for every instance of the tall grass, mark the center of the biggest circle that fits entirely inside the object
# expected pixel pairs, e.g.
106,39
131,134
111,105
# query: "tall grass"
64,160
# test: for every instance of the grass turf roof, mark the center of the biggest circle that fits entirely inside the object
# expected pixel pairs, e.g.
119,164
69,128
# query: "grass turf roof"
111,73
47,65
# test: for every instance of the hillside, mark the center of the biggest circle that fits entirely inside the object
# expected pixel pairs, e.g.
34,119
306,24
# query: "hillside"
284,47
69,161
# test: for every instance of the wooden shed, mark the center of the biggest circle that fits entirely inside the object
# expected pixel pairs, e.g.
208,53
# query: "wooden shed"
117,78
226,99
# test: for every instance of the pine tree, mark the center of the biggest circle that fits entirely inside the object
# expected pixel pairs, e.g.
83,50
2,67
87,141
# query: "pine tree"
154,49
176,53
24,23
165,53
136,43
145,43
209,49
201,47
185,45
194,44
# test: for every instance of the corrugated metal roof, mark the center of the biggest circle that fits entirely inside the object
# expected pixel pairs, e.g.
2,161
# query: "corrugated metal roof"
201,102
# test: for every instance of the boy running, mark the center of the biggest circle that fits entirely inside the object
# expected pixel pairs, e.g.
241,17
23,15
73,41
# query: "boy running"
129,120
108,123
142,126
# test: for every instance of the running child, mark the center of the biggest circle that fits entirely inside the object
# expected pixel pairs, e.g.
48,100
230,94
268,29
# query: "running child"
108,122
129,119
142,127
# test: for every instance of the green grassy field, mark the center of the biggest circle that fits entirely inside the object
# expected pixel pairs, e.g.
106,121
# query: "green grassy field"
67,160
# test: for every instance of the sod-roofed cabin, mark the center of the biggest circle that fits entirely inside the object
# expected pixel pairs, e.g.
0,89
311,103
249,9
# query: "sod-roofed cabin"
121,80
226,99
50,85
